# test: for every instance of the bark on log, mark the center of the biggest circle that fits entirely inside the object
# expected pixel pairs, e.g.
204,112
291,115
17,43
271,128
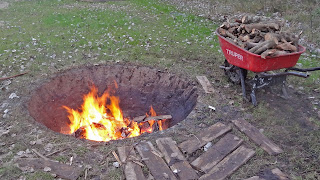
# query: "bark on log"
267,45
268,52
287,46
262,27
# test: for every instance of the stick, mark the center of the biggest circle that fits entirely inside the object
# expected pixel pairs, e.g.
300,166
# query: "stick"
5,78
58,151
156,118
40,155
117,157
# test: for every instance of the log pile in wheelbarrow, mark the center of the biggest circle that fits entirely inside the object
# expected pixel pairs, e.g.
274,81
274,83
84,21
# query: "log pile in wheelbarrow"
260,35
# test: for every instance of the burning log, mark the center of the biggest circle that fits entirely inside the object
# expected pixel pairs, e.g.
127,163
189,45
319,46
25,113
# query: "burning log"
259,35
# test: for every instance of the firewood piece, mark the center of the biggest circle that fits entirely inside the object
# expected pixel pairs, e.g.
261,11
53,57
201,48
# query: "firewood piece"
272,36
222,32
254,49
205,136
244,38
247,19
267,45
205,83
156,165
227,25
279,53
233,30
175,159
229,164
217,152
139,118
131,169
254,134
157,118
249,45
287,46
62,170
116,157
268,52
262,27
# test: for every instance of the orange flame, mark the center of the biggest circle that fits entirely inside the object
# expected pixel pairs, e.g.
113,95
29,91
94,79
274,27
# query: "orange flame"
100,121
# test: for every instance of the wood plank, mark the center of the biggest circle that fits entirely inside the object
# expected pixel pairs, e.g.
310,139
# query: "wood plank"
217,152
173,156
229,164
131,169
255,178
197,141
280,174
260,139
205,83
62,170
155,163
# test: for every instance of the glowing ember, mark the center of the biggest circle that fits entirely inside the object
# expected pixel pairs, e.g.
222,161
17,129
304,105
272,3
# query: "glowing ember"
101,119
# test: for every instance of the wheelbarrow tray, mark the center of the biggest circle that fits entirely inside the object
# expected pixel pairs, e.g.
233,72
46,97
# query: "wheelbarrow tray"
242,58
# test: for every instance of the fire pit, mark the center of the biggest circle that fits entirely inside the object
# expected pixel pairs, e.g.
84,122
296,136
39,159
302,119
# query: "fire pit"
112,101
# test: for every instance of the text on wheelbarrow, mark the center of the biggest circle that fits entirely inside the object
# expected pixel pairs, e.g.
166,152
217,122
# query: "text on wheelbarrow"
234,54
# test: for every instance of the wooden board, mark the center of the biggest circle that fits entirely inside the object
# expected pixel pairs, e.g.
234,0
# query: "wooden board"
255,178
205,83
132,170
260,139
155,163
280,174
205,136
217,152
62,170
229,164
175,158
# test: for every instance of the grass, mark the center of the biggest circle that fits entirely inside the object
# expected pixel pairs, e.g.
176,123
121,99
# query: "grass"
47,36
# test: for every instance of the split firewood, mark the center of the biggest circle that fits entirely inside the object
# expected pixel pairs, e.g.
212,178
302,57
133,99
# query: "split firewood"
267,45
262,27
268,52
260,35
287,46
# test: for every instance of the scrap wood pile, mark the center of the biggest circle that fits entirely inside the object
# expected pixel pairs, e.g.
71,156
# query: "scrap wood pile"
260,35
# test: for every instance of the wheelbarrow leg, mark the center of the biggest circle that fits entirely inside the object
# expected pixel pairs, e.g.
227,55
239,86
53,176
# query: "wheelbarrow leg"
243,85
253,93
284,90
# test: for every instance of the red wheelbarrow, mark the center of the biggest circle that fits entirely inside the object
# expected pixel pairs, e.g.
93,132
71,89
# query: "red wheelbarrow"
239,61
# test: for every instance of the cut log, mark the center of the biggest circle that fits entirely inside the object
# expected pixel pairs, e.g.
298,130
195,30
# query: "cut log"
139,118
258,46
272,36
265,27
247,19
227,25
222,32
205,83
268,45
62,170
217,152
287,46
268,52
249,45
131,169
280,174
254,134
156,164
255,178
197,141
175,159
229,164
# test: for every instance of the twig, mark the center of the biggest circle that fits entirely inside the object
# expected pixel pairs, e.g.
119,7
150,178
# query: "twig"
40,155
139,163
5,78
117,157
58,151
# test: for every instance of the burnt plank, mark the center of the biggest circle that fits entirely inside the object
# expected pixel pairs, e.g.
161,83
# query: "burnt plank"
229,164
175,158
131,169
205,136
205,83
217,152
62,170
154,162
260,139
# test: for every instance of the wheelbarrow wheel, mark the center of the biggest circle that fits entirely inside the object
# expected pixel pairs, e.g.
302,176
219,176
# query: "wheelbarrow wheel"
233,72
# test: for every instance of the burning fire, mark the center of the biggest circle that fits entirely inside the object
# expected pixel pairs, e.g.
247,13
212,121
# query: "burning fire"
101,119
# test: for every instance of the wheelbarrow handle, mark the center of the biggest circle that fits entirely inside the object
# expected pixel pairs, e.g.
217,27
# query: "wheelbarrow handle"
303,70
